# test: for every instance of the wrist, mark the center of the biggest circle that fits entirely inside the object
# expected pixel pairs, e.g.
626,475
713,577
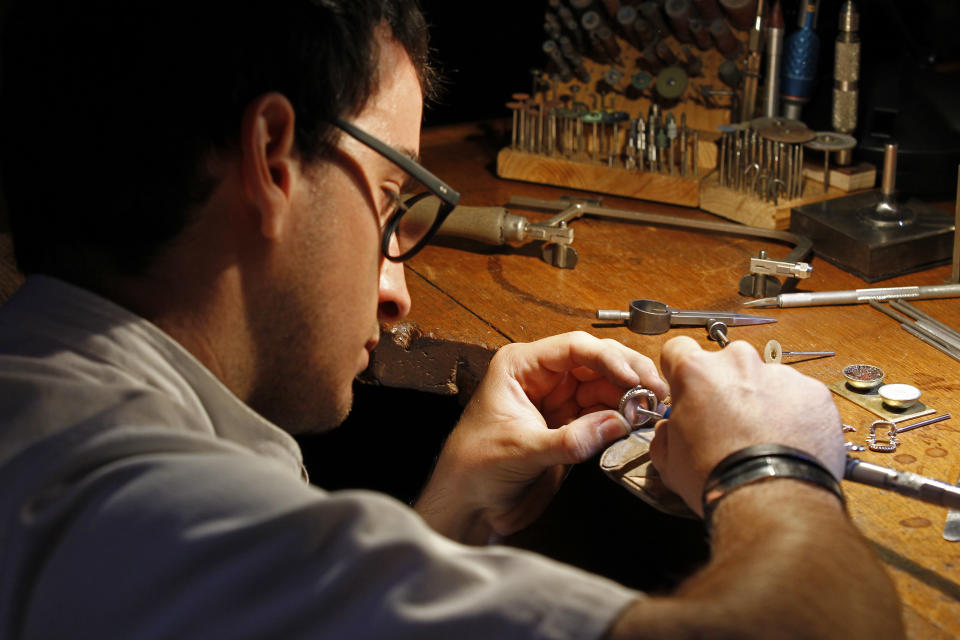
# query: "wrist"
445,504
761,463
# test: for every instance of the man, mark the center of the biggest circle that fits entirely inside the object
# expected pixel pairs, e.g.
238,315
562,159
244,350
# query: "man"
205,203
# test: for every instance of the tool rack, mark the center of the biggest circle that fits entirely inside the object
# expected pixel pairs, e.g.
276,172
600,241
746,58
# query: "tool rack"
611,64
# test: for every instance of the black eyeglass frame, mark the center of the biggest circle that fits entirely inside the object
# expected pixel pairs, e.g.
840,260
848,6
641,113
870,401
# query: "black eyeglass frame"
435,185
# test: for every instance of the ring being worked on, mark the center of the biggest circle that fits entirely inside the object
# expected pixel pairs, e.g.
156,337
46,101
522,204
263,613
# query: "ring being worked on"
638,406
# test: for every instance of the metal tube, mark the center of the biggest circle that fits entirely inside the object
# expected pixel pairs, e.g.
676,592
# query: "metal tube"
771,91
857,296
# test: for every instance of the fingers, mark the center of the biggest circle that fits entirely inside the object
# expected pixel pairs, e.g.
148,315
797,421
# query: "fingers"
580,353
660,444
729,399
674,352
582,438
682,351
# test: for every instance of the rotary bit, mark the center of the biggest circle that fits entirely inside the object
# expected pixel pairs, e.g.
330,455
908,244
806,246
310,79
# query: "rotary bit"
661,143
774,353
684,133
671,137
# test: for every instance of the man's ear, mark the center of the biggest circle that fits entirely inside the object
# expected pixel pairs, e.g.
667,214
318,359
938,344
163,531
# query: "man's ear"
268,163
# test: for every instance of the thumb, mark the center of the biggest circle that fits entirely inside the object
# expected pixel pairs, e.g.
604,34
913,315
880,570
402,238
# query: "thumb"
583,438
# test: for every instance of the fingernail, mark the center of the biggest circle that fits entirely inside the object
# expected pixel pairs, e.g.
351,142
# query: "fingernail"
615,425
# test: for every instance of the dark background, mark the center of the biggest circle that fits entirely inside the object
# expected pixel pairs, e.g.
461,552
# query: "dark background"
488,49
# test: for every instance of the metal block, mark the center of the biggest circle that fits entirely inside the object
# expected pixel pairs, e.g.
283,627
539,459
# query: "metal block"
842,237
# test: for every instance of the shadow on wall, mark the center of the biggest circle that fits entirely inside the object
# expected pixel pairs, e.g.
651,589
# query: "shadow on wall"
485,52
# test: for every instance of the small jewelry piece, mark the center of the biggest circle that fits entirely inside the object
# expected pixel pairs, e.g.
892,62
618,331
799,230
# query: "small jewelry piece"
891,433
633,409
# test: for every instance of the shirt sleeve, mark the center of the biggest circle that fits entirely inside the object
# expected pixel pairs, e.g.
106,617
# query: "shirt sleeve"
185,538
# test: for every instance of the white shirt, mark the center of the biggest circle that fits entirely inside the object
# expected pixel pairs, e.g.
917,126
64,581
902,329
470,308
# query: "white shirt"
139,498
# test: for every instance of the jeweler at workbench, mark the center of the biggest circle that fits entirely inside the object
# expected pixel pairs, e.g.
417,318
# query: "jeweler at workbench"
200,215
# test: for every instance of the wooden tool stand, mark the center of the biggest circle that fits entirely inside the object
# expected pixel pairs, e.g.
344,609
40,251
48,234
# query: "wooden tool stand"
739,206
585,175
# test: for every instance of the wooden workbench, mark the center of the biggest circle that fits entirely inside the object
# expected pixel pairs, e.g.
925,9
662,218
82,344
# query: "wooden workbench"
470,299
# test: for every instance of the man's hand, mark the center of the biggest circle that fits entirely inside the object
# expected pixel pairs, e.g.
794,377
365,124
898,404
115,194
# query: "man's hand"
774,544
540,407
726,400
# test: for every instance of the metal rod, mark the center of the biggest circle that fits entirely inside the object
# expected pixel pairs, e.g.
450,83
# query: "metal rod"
942,341
809,353
888,183
916,314
933,342
923,423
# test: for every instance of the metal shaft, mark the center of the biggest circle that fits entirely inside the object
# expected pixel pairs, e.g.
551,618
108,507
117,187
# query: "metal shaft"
771,92
718,332
923,423
888,185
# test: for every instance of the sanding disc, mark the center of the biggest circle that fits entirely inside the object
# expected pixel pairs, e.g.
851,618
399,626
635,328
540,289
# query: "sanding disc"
772,352
788,133
832,141
671,83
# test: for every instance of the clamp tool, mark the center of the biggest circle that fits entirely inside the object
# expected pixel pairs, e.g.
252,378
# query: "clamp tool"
652,317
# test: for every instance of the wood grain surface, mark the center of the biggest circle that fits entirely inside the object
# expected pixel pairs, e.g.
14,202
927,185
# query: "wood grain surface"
469,299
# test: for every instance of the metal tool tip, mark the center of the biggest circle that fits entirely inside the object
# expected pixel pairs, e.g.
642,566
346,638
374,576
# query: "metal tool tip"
745,320
762,302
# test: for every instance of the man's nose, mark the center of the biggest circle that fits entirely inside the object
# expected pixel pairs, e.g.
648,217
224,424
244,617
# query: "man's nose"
394,300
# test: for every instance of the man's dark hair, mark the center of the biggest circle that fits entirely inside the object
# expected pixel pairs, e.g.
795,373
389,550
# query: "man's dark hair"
110,107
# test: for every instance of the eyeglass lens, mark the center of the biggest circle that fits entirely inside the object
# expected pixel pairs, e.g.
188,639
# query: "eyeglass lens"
417,213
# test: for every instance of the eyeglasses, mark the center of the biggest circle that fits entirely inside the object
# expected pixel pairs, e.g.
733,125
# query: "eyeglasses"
413,226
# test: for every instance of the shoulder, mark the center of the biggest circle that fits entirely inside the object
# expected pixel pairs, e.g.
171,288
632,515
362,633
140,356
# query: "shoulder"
190,533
